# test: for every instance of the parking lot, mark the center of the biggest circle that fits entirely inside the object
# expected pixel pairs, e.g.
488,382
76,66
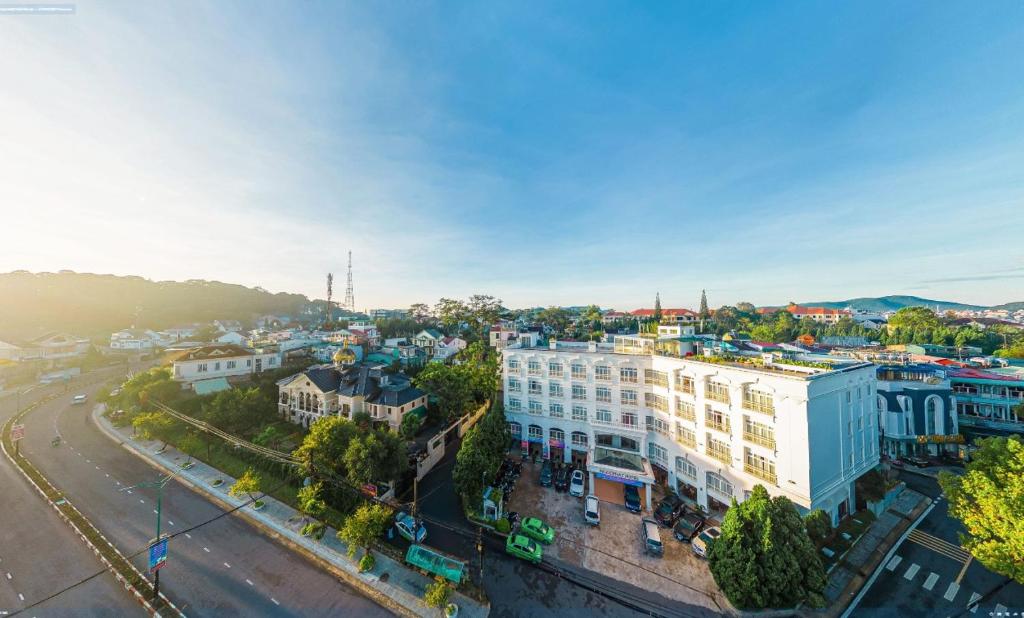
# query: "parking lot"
615,549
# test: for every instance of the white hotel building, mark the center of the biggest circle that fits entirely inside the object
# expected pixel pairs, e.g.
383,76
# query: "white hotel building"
640,412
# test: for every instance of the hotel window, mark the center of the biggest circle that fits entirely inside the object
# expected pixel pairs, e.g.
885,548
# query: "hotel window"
579,439
230,365
684,467
685,410
719,450
656,402
554,389
718,484
554,370
716,420
657,453
762,467
630,419
662,427
649,423
201,367
533,368
514,386
579,413
555,410
513,364
686,437
604,416
536,407
604,394
628,397
516,429
535,432
603,373
579,391
758,433
758,401
536,388
216,366
514,404
579,371
684,384
628,374
655,378
716,391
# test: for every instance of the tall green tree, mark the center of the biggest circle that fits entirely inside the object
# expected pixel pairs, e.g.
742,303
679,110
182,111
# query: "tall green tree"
247,484
555,318
657,306
449,385
764,557
989,500
704,313
323,449
379,455
364,526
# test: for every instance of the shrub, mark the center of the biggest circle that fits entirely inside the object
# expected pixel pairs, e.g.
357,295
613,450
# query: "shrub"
819,526
871,486
437,593
366,563
502,526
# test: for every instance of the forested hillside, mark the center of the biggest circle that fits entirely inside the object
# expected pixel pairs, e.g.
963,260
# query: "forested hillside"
91,305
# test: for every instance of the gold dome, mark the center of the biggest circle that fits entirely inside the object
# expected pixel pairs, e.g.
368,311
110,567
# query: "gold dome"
344,355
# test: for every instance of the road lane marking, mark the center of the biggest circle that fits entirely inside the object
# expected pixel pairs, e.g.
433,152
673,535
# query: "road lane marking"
21,596
108,476
8,575
1001,610
128,490
88,461
974,599
187,535
170,522
963,571
249,581
206,549
155,511
274,600
141,501
912,571
930,582
954,588
895,562
227,565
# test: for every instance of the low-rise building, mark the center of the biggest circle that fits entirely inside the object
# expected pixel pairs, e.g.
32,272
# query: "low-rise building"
428,339
448,347
916,410
137,339
346,388
823,315
668,316
639,411
222,361
989,401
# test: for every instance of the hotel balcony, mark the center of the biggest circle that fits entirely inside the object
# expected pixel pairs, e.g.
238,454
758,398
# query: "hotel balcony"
760,407
721,454
722,425
765,441
761,473
689,442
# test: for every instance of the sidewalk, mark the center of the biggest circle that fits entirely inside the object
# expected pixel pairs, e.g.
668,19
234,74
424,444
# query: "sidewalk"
390,583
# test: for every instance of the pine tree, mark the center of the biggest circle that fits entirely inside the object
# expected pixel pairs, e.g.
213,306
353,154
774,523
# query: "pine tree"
704,313
657,306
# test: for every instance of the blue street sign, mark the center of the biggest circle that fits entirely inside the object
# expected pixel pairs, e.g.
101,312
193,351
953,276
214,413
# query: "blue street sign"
157,554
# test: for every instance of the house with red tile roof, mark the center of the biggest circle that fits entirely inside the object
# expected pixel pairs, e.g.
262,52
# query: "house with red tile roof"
678,316
818,314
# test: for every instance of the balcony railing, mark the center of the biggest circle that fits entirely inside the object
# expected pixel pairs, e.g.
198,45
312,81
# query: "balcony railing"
765,441
718,425
719,396
631,426
763,407
721,454
761,473
688,441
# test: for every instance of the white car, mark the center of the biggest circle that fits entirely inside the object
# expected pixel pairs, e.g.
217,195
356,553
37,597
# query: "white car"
702,543
592,510
405,524
576,484
78,399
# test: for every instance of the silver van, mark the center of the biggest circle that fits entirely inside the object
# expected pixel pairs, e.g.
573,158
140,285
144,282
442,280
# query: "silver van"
592,510
651,536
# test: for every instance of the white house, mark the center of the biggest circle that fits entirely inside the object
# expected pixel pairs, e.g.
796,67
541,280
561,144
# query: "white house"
222,361
428,340
135,339
228,326
233,338
448,347
638,412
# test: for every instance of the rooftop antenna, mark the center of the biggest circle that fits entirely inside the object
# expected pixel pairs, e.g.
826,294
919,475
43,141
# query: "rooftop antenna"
330,291
350,300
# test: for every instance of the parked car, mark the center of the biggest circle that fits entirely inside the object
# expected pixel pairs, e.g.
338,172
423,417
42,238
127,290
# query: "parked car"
78,399
702,543
592,510
546,474
405,524
651,536
688,526
562,479
898,463
537,530
632,498
523,547
669,510
576,484
919,462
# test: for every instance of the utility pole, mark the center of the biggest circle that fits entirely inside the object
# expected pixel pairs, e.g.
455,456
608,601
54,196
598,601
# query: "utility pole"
159,486
480,551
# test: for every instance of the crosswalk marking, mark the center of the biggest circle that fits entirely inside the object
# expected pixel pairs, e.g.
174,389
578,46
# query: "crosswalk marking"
911,572
1001,610
938,545
895,562
930,582
951,591
974,599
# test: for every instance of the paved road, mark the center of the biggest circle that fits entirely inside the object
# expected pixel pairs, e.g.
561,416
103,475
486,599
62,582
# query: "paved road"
931,575
223,568
514,587
40,554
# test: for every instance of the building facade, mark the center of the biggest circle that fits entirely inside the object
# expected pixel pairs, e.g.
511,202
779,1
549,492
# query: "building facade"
989,401
916,411
638,412
222,361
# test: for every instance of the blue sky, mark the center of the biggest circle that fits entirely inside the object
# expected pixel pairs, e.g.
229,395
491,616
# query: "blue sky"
558,153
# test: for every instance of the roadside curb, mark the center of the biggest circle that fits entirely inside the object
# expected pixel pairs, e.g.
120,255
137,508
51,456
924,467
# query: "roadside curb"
363,584
128,586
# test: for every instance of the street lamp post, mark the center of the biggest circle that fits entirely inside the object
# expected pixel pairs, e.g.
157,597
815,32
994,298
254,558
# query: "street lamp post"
159,486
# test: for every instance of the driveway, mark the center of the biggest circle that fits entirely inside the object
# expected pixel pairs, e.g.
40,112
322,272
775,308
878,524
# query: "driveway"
615,550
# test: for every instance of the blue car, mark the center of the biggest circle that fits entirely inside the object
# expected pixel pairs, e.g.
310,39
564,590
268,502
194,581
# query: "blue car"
632,498
405,524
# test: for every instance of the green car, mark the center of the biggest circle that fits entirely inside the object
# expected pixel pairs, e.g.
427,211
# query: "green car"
538,530
523,547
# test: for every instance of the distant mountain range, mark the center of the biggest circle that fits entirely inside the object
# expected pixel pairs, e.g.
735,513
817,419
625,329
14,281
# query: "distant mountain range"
894,303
